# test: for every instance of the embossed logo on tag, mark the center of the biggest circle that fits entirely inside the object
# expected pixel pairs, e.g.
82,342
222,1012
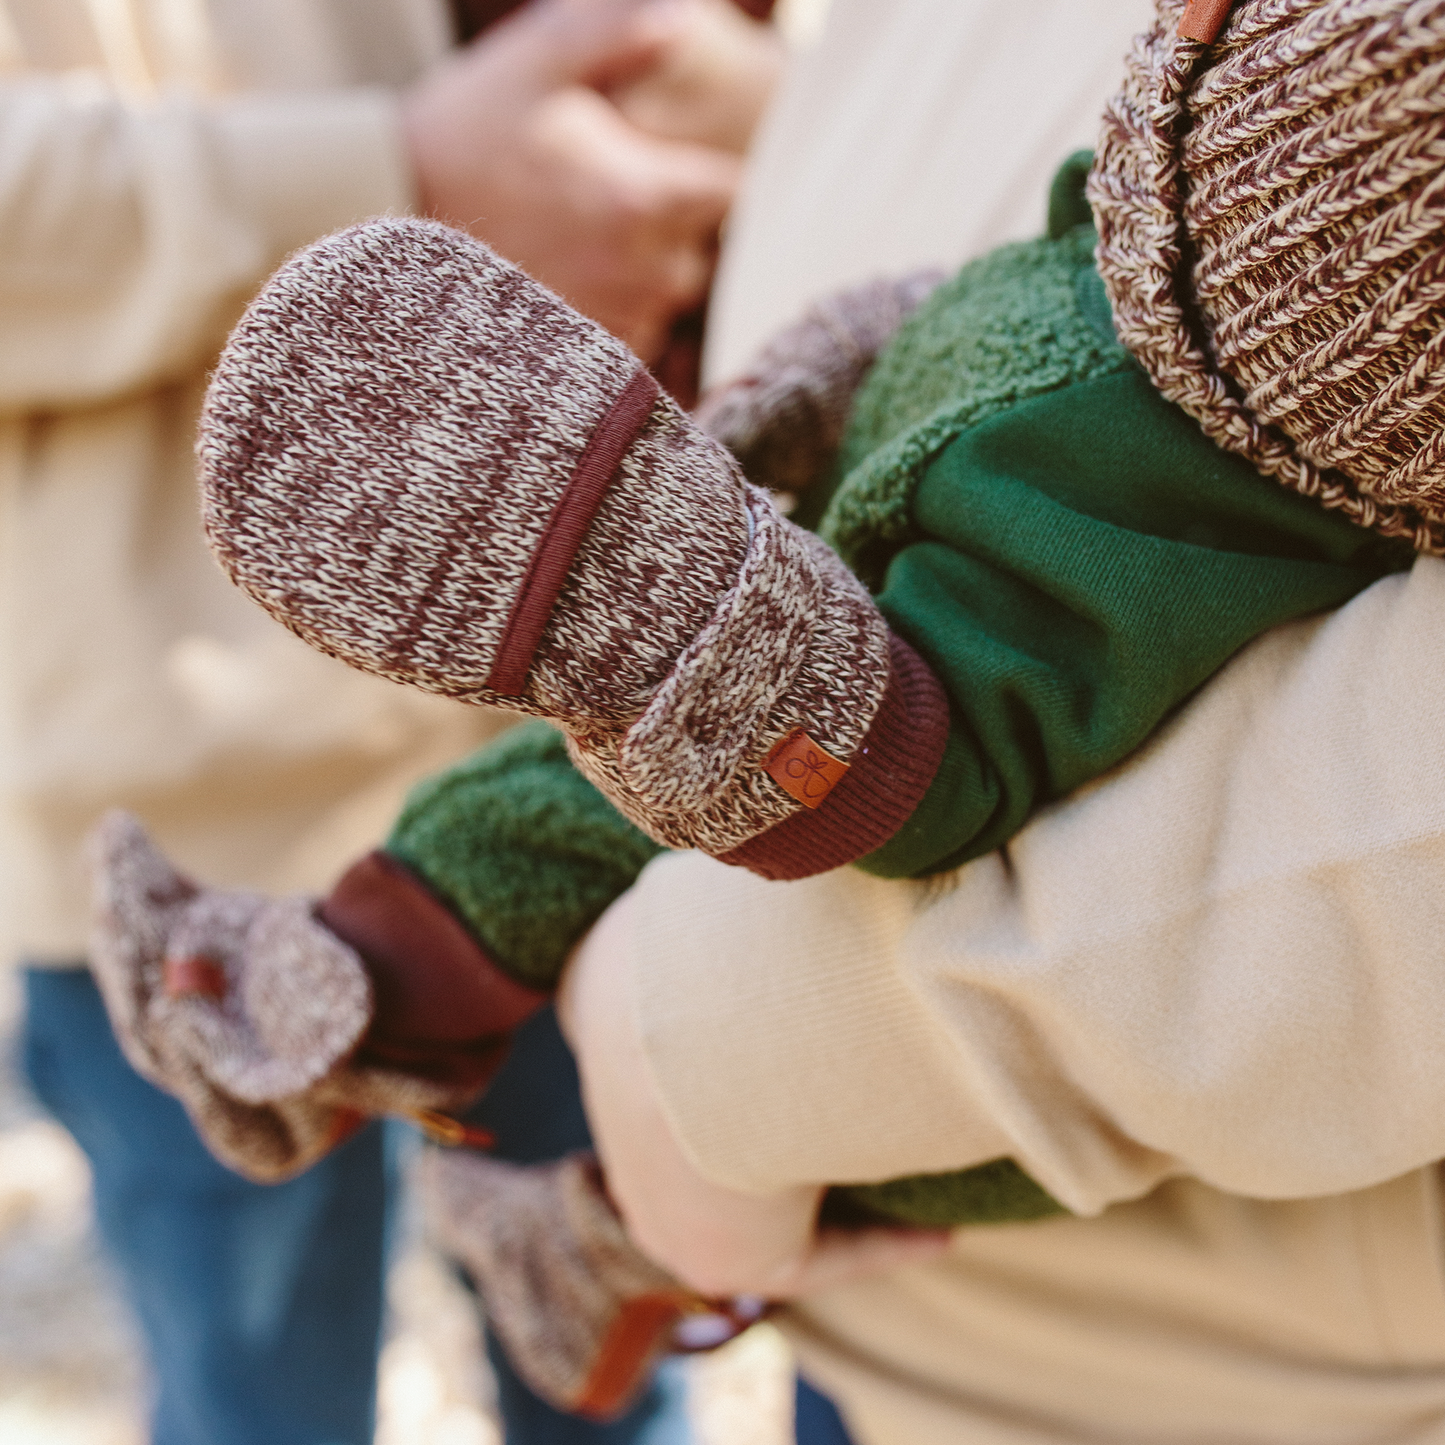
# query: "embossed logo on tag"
195,976
1204,19
803,769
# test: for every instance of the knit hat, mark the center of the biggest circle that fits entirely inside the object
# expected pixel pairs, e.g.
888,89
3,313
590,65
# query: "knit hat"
1270,201
427,465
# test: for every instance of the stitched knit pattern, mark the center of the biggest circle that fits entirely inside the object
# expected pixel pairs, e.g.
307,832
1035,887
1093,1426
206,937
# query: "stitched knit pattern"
382,446
796,643
1270,210
390,429
245,1065
552,1263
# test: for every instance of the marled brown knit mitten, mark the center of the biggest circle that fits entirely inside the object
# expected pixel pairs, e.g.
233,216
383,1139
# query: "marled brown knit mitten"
784,418
282,1024
583,1315
427,465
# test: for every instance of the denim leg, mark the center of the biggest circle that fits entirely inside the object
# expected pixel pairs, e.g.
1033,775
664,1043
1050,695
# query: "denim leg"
261,1304
817,1421
534,1107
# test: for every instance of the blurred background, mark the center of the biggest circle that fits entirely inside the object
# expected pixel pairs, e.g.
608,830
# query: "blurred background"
71,1362
71,1371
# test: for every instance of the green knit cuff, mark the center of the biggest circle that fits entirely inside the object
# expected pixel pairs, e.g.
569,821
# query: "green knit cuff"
522,848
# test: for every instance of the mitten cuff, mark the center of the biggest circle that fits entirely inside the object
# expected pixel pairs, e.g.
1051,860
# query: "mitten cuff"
436,987
885,781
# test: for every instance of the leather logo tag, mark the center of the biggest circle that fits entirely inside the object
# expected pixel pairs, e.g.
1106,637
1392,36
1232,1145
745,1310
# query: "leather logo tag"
804,770
193,977
1204,19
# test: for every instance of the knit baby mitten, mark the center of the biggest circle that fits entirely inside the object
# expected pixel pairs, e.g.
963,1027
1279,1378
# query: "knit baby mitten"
784,418
428,466
282,1024
582,1314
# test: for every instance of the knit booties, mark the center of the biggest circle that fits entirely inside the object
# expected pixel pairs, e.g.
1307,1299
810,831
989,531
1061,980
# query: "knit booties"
582,1314
283,1024
428,466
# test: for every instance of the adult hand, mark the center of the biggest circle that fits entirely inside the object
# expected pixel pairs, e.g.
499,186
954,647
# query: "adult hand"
715,1239
513,140
712,84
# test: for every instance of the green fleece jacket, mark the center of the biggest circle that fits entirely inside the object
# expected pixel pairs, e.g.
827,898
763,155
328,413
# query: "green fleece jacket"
1070,554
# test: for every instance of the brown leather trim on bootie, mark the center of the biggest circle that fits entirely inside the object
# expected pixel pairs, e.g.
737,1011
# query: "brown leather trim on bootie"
559,543
884,782
433,981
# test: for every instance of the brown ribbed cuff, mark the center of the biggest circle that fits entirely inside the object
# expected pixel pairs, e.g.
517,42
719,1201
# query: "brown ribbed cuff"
438,993
886,780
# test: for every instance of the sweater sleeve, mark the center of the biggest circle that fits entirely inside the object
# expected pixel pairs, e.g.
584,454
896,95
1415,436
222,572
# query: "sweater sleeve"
131,235
1223,961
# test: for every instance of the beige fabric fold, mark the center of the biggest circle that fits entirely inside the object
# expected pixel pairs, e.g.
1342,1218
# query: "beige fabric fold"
1224,963
140,206
1186,1317
1201,1002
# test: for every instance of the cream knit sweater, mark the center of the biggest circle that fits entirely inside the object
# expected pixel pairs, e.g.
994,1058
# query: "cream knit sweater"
160,158
1220,967
1224,964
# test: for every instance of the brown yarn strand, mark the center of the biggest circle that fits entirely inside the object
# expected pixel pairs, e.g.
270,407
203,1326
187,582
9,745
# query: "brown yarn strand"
1270,212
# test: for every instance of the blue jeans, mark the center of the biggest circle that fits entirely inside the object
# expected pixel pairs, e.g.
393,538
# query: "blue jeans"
262,1305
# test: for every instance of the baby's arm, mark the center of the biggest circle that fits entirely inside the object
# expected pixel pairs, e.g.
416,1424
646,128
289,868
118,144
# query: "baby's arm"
784,418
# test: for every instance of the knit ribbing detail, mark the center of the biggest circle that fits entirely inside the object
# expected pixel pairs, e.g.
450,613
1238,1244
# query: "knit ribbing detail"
886,779
558,545
1270,212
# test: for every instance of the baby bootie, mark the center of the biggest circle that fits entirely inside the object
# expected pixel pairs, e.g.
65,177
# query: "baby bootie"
428,466
283,1024
582,1314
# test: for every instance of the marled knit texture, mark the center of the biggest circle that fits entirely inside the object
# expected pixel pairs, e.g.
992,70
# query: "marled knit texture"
390,430
384,440
264,1069
784,417
296,1002
550,1258
1270,210
797,642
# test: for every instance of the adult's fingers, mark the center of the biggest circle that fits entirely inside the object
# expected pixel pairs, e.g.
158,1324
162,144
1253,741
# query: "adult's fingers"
598,43
840,1256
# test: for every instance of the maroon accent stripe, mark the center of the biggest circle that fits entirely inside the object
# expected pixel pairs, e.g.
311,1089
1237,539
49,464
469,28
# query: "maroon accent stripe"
562,537
435,986
886,780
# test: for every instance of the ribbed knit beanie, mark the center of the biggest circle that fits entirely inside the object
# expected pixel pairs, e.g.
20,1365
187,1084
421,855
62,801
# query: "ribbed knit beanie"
1270,197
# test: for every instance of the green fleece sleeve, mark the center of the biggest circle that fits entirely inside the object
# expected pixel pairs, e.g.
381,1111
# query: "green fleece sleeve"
527,853
522,848
1077,566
